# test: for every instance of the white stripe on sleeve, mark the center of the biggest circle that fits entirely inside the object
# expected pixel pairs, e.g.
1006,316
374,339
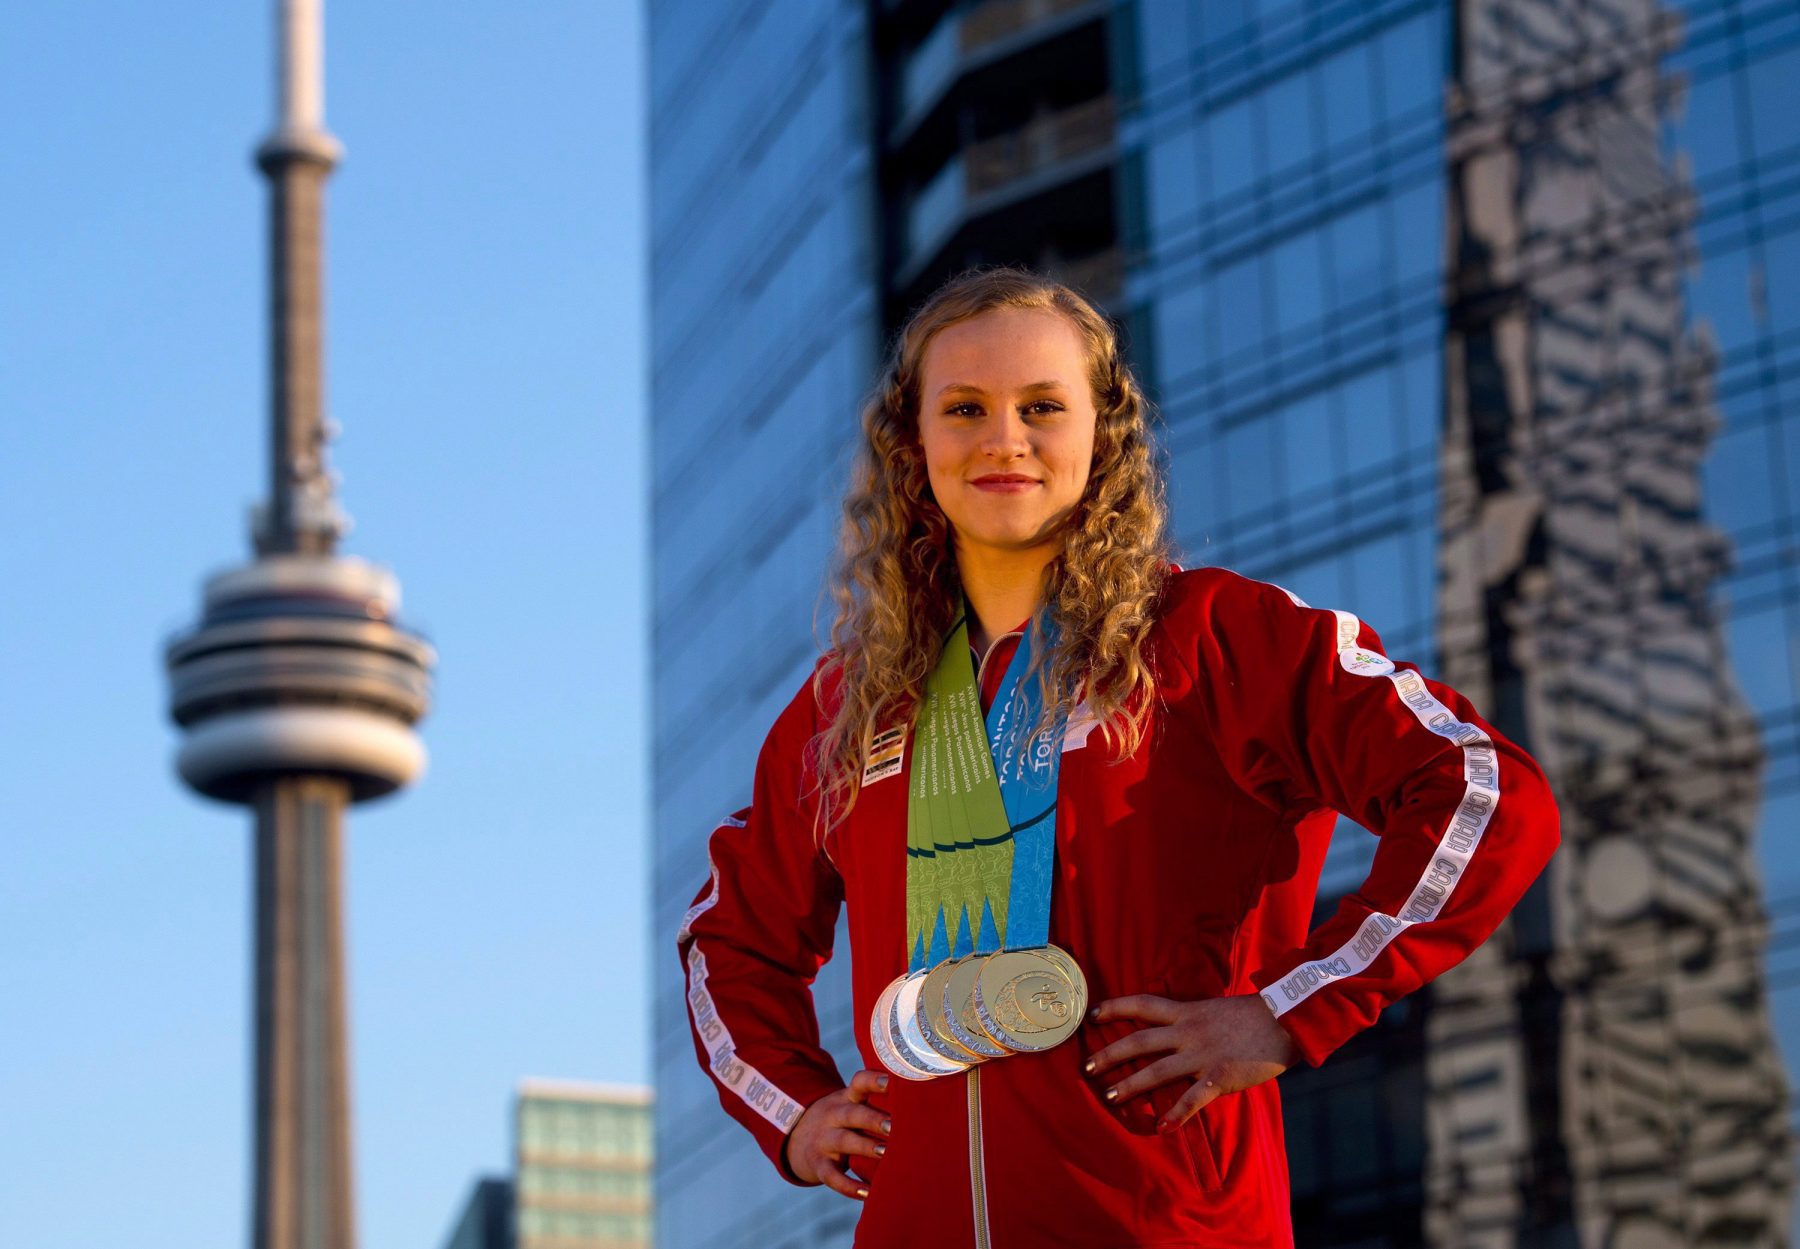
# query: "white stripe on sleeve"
733,1072
1481,795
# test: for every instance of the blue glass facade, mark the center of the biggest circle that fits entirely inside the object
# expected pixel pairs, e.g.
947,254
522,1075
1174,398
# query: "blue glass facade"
1286,294
1295,281
485,1221
1736,135
763,334
1739,137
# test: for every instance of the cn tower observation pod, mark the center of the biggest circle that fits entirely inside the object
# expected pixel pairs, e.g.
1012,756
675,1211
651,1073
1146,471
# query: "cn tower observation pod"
297,666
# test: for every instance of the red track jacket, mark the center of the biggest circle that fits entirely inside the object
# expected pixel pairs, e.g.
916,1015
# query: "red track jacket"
1188,870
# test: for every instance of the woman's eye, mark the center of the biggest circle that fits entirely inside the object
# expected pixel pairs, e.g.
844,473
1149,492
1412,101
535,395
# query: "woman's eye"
1049,405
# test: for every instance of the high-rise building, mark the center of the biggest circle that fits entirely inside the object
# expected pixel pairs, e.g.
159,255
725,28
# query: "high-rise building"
581,1173
582,1166
1470,318
765,320
297,693
1610,1062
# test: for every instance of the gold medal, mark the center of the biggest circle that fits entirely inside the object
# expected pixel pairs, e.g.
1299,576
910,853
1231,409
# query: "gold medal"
959,1008
1063,959
933,1024
967,1010
1026,1000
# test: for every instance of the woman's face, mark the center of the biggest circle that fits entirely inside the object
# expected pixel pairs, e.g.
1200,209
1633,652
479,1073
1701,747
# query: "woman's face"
1006,421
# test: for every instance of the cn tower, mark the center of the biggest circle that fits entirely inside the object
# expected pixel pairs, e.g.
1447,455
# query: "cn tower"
297,693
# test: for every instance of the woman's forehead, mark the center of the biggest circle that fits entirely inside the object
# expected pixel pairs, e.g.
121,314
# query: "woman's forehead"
1013,347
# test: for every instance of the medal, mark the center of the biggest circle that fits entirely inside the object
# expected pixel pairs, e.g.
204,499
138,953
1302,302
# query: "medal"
959,1008
903,1027
1026,1000
934,1022
883,1040
982,980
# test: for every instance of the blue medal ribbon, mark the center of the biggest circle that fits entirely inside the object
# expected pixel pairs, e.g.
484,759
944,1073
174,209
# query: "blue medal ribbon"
981,823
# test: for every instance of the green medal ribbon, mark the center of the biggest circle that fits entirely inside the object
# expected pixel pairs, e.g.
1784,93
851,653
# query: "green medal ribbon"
980,802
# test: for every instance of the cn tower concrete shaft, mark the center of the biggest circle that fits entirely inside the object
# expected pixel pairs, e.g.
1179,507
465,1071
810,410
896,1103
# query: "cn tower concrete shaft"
304,1190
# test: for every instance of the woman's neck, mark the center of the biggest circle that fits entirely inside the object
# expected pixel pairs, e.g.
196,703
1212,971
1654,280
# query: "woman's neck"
1002,588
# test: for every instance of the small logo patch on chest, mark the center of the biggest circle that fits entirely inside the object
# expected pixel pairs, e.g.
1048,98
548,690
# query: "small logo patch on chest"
886,754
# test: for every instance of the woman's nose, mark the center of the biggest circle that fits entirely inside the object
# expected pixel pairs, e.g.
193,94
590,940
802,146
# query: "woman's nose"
1005,435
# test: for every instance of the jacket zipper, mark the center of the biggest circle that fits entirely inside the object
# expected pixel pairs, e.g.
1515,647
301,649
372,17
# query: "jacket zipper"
977,1160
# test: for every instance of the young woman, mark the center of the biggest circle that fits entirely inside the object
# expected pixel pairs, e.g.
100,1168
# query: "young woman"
1158,760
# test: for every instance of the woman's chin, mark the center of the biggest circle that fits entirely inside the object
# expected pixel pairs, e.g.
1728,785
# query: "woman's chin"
1004,543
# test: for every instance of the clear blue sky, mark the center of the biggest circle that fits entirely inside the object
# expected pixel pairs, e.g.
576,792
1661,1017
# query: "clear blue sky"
485,289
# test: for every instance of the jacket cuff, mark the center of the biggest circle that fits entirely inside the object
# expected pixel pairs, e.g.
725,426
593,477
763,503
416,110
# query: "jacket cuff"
1318,1025
804,1088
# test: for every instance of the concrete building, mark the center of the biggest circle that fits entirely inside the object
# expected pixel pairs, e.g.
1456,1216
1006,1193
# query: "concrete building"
1477,320
581,1173
582,1162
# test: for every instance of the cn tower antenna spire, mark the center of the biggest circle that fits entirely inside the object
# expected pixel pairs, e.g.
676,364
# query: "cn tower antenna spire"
301,513
297,693
302,66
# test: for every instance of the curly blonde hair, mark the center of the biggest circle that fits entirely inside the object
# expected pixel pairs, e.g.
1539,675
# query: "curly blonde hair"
894,580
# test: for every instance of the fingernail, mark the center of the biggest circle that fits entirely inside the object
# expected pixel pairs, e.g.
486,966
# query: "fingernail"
1112,1095
880,1150
1089,1067
887,1125
1094,1015
1163,1125
863,1193
881,1082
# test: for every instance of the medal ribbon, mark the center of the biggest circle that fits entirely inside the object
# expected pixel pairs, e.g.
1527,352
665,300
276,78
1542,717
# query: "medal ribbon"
980,810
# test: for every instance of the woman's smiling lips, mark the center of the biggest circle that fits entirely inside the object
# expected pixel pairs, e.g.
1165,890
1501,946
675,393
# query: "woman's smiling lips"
1004,483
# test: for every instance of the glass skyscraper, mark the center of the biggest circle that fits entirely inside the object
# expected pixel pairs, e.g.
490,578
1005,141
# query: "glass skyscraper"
1480,320
486,1219
764,328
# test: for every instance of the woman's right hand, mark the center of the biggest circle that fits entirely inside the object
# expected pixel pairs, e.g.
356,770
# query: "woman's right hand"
835,1127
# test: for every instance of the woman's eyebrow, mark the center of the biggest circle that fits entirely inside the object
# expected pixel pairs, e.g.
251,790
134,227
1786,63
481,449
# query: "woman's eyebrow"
968,388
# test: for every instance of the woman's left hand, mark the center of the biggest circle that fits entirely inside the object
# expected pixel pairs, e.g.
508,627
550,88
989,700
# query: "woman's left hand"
1224,1044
